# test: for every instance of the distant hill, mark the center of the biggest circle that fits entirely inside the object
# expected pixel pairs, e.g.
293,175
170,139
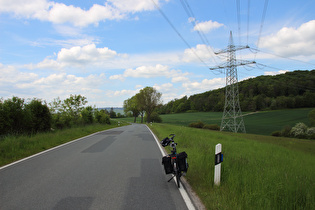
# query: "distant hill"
116,109
290,90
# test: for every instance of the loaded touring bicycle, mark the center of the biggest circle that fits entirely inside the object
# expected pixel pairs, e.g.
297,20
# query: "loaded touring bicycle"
174,163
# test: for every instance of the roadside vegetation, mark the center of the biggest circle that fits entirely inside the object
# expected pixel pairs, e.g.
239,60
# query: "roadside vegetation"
258,172
31,126
16,147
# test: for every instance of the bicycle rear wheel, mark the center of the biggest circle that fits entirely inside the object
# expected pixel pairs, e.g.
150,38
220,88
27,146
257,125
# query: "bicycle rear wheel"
178,178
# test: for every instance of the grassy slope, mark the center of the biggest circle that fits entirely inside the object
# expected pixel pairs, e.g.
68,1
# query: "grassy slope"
258,172
263,123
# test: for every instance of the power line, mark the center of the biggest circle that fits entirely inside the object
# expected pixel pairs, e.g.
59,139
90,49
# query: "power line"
248,12
262,22
170,23
201,34
238,19
257,50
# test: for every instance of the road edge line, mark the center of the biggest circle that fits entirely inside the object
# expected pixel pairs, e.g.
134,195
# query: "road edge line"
45,151
182,190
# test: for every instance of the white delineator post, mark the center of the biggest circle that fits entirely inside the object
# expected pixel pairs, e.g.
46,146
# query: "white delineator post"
217,167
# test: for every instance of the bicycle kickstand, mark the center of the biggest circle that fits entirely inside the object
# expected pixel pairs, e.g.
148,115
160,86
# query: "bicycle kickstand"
171,178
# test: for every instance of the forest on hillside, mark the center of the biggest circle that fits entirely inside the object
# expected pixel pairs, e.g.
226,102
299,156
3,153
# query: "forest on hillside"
290,90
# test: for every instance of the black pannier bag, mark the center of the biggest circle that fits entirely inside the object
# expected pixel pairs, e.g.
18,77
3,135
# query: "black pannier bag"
165,142
182,161
166,161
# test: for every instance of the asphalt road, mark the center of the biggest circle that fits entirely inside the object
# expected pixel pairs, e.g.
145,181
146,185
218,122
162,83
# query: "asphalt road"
115,169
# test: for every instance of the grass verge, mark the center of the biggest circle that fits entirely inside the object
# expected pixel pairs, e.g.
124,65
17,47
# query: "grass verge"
258,172
13,148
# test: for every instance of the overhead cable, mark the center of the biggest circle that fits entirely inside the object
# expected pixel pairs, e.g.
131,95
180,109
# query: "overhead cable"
200,32
170,23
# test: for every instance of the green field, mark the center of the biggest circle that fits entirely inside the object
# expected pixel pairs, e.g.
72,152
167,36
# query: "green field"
258,172
263,123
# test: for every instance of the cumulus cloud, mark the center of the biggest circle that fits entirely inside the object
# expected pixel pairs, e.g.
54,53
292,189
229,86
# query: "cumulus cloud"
28,85
204,52
79,57
153,71
59,13
206,26
204,85
291,41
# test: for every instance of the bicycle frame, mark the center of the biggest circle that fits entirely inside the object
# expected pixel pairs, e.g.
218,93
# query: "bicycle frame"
176,172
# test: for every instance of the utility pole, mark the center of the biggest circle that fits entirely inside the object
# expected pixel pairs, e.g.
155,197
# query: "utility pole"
232,119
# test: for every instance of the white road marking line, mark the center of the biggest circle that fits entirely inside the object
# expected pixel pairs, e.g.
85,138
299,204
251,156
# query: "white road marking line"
182,191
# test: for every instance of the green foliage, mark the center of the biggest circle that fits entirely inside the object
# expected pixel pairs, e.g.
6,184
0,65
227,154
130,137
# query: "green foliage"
70,112
146,101
102,117
13,147
112,114
18,117
196,124
155,117
285,91
258,172
87,115
131,105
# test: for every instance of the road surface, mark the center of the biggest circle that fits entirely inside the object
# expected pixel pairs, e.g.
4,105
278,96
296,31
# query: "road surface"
115,169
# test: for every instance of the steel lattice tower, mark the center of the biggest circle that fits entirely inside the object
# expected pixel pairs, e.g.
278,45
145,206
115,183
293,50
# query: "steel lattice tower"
232,119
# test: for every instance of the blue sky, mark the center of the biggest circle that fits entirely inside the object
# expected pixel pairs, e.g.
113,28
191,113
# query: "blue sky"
109,50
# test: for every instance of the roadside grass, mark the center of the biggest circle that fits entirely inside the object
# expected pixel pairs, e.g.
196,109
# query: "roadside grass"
258,172
263,123
13,148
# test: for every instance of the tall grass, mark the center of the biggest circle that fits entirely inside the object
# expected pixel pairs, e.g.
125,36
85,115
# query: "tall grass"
256,173
13,148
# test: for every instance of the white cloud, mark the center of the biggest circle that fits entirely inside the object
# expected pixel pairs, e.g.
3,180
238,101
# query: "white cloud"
60,13
88,55
272,73
207,26
29,85
153,71
204,52
204,85
134,5
292,41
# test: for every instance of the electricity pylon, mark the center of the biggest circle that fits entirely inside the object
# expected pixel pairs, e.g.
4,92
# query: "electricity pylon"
232,119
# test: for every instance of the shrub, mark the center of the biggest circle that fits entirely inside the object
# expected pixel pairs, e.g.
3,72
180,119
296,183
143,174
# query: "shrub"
310,133
197,124
155,117
276,133
286,131
214,127
299,130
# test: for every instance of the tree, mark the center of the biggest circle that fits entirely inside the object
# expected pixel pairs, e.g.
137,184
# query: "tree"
39,116
74,105
149,99
131,105
87,115
112,114
68,111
